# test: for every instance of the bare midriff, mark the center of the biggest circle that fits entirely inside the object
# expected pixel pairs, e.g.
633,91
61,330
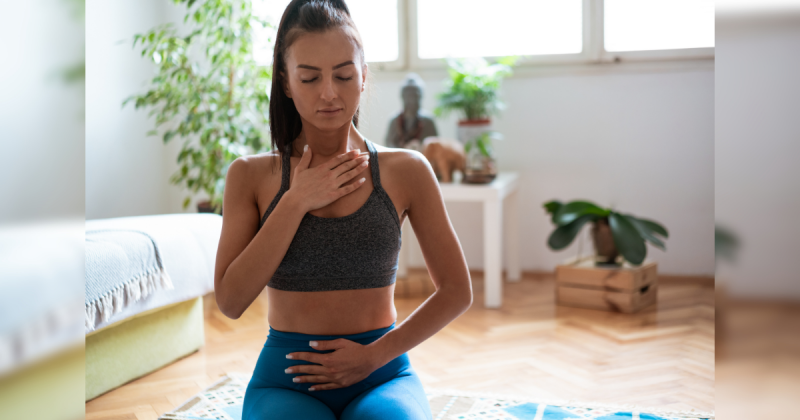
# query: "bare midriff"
335,312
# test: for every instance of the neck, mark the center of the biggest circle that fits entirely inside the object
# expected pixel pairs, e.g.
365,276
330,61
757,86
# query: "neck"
328,144
410,114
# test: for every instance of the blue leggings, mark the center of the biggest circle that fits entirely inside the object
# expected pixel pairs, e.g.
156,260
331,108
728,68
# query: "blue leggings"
393,392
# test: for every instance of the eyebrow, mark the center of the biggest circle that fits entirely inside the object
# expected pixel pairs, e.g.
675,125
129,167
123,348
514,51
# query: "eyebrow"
306,66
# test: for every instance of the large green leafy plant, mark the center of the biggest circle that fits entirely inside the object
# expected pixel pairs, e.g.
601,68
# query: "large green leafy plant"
472,87
208,91
629,232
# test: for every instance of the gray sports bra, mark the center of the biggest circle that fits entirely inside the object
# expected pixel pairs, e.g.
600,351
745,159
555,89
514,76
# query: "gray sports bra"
357,251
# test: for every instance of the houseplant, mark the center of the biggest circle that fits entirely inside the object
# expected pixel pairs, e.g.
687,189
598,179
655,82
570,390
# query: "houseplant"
480,167
471,91
614,234
208,91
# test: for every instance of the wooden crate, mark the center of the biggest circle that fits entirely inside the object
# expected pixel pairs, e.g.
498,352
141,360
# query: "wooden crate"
625,289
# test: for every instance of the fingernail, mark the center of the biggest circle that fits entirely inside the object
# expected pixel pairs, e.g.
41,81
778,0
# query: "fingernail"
311,389
288,371
288,356
295,379
305,148
312,343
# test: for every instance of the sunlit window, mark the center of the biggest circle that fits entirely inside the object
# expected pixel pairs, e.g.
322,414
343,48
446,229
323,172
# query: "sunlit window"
376,20
638,25
468,28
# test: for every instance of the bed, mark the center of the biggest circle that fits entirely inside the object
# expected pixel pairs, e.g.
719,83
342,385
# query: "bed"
131,332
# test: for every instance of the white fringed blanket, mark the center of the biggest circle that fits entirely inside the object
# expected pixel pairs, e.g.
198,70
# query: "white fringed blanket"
122,267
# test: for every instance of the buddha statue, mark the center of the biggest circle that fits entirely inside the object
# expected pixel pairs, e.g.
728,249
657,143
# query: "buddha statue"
410,128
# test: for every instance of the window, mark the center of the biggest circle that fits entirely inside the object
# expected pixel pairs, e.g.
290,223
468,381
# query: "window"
637,25
377,22
412,34
462,28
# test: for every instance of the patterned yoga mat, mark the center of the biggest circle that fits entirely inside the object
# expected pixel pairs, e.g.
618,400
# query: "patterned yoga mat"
223,401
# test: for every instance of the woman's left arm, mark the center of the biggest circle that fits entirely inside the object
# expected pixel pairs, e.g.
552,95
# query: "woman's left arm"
443,257
351,362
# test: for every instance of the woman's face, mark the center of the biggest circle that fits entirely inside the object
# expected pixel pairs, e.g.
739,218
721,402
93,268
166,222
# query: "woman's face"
325,78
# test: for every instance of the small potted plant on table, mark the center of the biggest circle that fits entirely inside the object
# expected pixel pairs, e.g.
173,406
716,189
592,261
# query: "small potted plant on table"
472,92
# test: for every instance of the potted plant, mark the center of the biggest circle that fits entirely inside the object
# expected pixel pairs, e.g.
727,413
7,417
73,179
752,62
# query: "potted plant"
480,167
472,92
209,91
614,234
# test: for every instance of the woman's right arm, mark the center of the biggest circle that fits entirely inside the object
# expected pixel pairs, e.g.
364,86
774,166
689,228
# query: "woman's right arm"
248,257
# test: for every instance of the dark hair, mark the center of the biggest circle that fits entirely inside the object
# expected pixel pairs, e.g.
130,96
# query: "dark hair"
300,16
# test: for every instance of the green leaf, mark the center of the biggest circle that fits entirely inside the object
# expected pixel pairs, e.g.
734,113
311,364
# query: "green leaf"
186,202
575,209
627,239
655,227
552,206
565,234
645,232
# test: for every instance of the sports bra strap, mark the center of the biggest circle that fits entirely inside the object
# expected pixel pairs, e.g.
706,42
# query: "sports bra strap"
373,164
286,168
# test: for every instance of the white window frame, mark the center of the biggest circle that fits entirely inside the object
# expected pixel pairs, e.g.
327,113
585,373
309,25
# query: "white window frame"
402,43
604,56
593,45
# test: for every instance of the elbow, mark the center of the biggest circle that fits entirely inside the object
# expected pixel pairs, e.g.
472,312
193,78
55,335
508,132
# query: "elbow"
228,308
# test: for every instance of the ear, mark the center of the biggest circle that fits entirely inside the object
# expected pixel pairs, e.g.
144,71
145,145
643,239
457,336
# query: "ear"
364,77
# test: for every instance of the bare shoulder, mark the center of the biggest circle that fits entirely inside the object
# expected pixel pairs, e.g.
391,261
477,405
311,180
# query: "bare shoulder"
260,166
407,176
399,163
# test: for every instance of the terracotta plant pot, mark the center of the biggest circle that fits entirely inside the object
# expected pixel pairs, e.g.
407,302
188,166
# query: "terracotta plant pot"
603,240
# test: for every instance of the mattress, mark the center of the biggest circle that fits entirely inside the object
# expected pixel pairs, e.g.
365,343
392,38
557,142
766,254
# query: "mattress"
188,246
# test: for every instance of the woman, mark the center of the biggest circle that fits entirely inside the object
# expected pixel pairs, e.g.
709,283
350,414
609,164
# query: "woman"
318,222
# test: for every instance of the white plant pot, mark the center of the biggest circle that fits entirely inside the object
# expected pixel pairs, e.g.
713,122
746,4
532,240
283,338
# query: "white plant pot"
471,129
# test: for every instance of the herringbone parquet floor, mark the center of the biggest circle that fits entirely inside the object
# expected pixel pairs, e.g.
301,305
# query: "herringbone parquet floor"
661,357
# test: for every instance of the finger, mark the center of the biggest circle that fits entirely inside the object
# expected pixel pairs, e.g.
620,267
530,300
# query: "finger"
310,369
359,162
338,160
305,160
324,387
338,343
352,173
315,379
308,356
347,189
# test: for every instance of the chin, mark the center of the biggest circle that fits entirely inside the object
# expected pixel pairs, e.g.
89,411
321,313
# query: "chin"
331,124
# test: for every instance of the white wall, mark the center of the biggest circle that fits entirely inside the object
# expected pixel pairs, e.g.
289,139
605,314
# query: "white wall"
757,149
127,172
639,139
41,114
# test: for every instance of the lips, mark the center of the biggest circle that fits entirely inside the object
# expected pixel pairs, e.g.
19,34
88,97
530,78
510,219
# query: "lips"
331,111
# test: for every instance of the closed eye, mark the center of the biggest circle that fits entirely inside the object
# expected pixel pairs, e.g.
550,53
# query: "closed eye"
340,78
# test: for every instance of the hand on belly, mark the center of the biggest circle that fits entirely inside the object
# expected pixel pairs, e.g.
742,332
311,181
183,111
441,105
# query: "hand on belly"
347,364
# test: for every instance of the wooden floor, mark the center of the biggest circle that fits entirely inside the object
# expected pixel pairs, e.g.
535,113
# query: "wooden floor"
660,357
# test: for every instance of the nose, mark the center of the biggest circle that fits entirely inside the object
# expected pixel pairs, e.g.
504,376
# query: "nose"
328,92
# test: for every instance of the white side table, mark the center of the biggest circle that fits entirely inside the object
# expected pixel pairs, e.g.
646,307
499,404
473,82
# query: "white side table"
503,190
